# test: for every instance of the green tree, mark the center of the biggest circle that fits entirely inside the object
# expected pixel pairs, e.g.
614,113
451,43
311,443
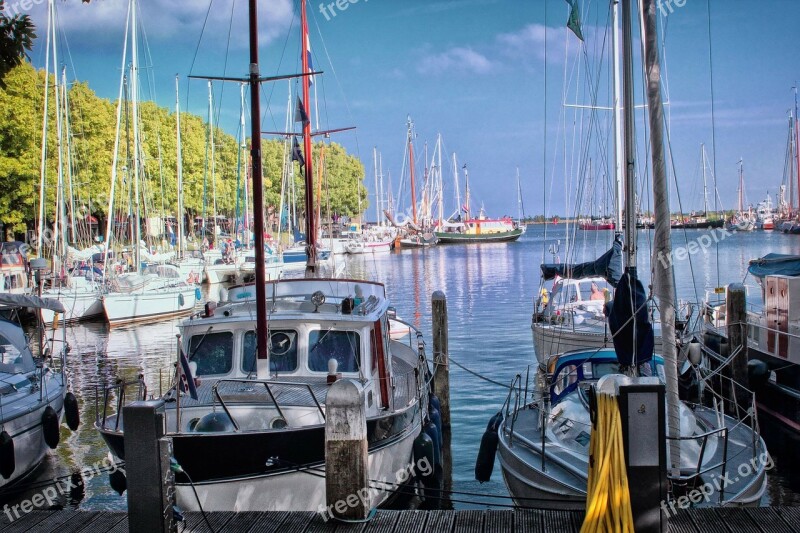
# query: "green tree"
16,39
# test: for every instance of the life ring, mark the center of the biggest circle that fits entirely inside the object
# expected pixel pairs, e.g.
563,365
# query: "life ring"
50,428
7,460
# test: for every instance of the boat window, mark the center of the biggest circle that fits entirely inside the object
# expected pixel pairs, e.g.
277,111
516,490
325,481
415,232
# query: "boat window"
565,295
565,378
282,351
344,346
603,369
213,353
11,359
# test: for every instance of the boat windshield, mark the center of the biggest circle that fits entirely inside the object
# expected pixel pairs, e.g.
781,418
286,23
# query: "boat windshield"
12,360
343,346
213,353
282,351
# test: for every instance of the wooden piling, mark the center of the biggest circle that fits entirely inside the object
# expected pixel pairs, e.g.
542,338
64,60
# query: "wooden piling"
736,313
441,365
347,491
150,482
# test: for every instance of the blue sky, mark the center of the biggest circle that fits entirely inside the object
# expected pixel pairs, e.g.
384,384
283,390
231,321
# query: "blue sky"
473,70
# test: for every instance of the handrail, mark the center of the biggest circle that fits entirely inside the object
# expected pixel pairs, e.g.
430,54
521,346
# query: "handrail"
120,386
267,383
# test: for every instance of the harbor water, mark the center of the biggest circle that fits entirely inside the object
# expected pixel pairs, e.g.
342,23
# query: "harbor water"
490,293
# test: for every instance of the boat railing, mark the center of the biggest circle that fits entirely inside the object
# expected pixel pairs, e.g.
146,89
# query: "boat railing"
268,385
120,393
699,470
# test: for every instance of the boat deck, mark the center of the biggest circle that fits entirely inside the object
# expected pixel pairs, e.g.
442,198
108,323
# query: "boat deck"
755,519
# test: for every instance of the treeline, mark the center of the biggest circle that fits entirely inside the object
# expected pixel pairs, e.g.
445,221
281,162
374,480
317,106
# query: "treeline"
92,124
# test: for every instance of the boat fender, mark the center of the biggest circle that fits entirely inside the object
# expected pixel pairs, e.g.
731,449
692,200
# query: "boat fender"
758,373
436,419
215,423
71,412
712,342
118,481
423,451
181,301
488,450
434,401
433,432
50,428
7,461
197,294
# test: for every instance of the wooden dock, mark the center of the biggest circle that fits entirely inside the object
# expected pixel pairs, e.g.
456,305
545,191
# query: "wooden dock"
757,519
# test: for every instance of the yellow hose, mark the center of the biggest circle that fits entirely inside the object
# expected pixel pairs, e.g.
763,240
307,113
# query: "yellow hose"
608,500
55,320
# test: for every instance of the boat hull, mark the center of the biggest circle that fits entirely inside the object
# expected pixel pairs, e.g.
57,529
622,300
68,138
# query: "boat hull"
78,305
148,305
465,238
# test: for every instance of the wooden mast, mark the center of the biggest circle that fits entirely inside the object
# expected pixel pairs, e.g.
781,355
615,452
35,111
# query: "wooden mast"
311,229
262,364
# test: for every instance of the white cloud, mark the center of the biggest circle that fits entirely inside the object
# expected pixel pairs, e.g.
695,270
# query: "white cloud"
165,22
458,59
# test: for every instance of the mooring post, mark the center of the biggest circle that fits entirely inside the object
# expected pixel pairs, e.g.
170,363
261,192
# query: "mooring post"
151,483
736,313
441,364
347,491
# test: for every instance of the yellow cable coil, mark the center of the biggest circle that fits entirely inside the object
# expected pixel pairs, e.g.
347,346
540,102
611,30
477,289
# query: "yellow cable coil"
608,501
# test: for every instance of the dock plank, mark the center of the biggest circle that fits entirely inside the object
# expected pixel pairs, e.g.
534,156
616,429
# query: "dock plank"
439,522
495,520
411,522
528,521
768,519
682,522
740,521
56,520
708,521
469,521
297,522
24,523
561,522
382,522
195,523
103,522
791,515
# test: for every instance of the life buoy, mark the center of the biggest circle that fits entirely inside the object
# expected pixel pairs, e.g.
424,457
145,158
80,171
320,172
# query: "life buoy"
71,412
50,428
7,460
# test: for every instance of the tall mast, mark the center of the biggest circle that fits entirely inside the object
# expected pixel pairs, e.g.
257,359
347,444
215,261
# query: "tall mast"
380,197
705,186
741,186
458,189
520,209
797,143
179,165
619,146
411,169
59,232
43,165
630,146
466,188
377,192
440,184
239,150
311,228
664,283
136,144
213,159
262,362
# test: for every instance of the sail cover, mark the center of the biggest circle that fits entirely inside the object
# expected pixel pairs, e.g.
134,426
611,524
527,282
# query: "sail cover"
775,265
634,339
608,266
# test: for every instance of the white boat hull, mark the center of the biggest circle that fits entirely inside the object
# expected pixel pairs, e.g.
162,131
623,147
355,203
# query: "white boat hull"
79,305
149,305
295,490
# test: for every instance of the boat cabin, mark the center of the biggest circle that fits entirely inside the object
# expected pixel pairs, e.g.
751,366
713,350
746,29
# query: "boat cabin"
588,294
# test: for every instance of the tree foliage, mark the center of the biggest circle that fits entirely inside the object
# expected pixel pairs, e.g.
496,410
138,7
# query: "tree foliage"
16,39
92,127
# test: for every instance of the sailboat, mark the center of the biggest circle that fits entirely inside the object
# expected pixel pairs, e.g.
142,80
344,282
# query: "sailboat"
152,292
477,230
742,220
700,220
544,441
266,358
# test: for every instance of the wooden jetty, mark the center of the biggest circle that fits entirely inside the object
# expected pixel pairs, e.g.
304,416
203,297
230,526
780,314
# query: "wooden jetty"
754,519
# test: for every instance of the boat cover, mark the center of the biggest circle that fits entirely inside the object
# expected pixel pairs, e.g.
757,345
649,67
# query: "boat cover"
24,300
775,265
634,340
608,266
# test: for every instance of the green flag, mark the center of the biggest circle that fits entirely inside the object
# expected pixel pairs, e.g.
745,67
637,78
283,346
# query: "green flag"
574,22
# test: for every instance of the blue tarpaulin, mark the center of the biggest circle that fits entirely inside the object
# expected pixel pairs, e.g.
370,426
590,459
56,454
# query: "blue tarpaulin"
775,264
634,339
608,266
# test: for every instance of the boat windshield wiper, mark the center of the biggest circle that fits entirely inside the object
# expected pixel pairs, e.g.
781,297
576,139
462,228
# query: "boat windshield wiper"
319,341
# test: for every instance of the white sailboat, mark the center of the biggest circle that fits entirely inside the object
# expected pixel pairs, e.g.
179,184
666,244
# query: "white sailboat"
156,291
